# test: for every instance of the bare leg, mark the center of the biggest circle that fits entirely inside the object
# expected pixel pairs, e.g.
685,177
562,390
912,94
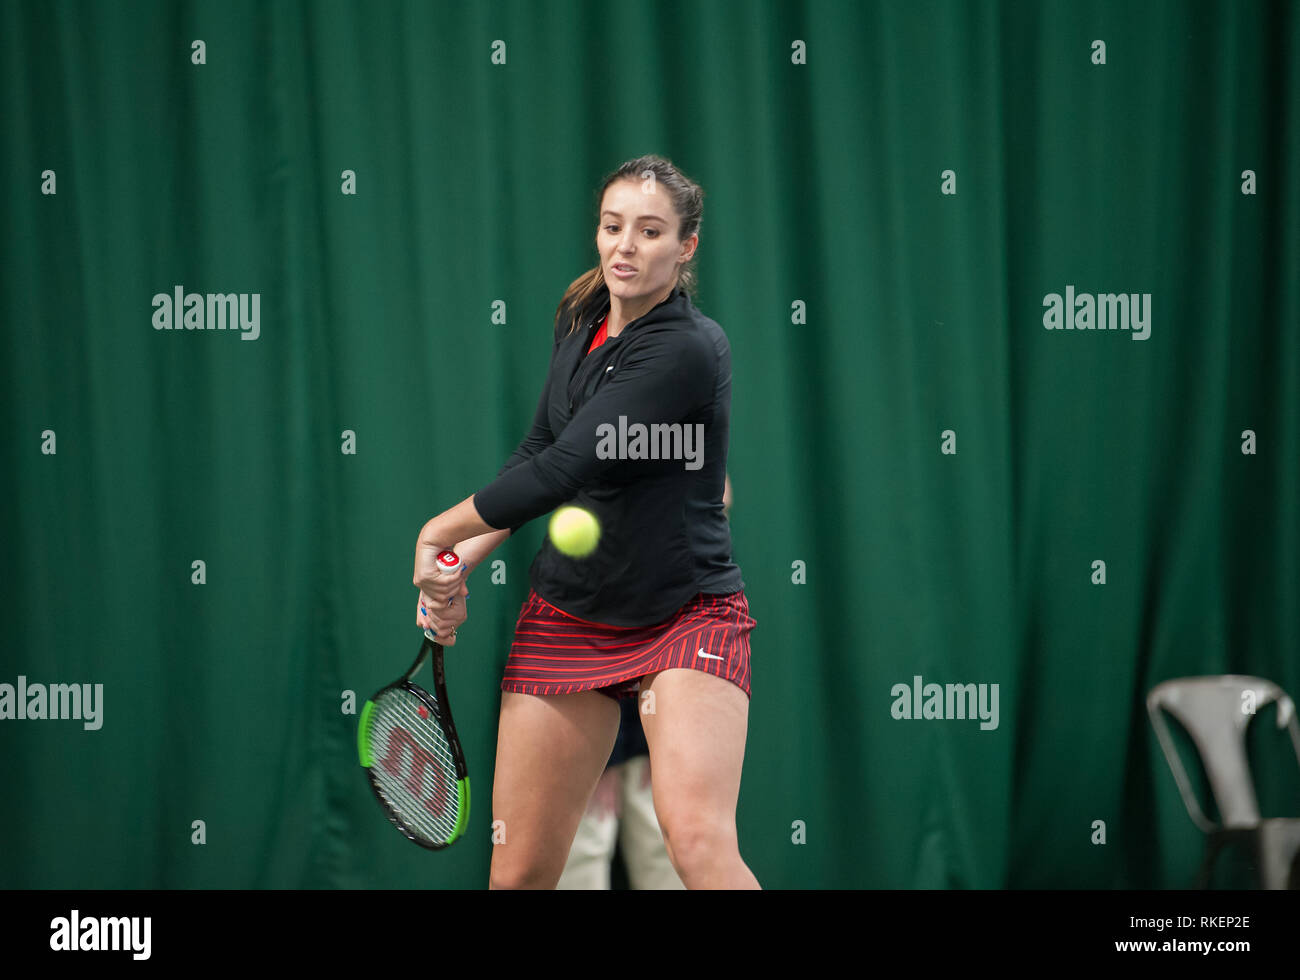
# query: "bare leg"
591,854
648,864
550,753
696,735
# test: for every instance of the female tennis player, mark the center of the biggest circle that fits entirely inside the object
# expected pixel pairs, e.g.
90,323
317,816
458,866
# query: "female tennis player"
632,425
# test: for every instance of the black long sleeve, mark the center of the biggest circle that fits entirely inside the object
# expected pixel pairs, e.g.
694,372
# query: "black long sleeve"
666,377
663,536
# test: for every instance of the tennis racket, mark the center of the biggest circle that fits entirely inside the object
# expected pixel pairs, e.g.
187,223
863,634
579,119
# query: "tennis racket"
408,745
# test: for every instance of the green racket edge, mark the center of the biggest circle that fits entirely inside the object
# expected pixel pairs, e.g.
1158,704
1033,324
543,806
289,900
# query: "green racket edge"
367,760
363,743
462,809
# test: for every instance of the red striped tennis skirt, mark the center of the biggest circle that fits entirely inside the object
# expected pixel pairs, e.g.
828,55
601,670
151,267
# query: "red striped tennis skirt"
556,653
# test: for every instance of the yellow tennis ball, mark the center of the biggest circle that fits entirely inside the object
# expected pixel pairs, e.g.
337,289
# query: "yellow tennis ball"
574,531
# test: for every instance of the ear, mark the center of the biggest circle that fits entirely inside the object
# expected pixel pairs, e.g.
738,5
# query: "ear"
688,248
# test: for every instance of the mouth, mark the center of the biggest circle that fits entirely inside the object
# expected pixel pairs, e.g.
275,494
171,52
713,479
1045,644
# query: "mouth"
624,267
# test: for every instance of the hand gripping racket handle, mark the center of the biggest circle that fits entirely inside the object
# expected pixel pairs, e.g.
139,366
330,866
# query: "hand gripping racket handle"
449,563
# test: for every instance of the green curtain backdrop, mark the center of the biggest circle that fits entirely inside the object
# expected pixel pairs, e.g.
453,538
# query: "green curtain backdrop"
924,475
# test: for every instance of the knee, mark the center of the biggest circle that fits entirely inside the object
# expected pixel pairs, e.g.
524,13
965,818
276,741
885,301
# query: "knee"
695,842
517,871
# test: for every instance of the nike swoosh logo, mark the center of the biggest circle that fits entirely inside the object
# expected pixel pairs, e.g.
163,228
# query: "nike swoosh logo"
711,656
608,369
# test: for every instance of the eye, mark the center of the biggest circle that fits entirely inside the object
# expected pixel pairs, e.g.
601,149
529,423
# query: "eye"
611,228
653,232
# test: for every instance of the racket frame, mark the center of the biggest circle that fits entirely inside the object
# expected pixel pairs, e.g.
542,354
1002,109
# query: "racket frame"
441,711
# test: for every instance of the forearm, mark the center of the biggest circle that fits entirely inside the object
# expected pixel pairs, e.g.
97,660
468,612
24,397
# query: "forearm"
462,524
472,551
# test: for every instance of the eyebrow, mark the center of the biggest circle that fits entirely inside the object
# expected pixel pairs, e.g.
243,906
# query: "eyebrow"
644,217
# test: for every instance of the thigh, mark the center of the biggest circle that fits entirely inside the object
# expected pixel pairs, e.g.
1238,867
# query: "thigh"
551,751
696,733
591,854
644,853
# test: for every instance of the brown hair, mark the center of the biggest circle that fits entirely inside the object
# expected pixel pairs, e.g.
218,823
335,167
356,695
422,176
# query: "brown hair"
688,202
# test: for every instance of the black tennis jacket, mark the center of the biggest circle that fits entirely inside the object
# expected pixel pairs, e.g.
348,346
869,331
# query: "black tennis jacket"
664,536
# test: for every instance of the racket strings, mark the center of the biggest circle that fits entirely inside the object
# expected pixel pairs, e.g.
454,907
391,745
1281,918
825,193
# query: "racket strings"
413,766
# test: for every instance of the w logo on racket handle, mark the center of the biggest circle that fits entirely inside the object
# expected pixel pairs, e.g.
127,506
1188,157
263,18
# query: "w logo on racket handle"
399,740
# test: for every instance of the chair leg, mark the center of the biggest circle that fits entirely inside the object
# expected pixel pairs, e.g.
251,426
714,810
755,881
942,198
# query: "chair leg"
1277,849
1213,845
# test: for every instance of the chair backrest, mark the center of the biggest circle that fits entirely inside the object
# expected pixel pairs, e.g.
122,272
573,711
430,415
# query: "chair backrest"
1216,712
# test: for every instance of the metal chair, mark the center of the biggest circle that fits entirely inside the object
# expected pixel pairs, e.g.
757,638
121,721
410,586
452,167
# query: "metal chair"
1216,712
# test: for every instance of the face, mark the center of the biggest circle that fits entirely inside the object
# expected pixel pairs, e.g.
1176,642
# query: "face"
640,254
